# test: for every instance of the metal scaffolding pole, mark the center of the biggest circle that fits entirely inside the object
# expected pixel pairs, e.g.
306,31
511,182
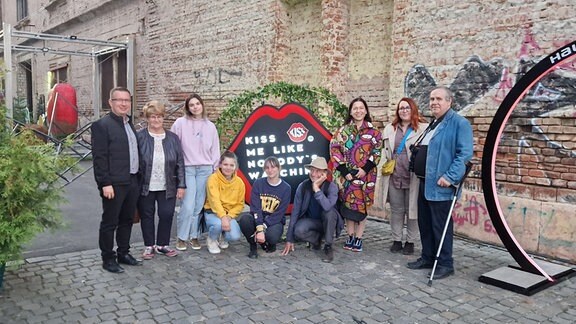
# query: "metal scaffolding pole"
95,87
130,72
8,95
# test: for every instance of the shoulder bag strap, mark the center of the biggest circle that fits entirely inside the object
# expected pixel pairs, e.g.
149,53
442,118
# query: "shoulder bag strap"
403,143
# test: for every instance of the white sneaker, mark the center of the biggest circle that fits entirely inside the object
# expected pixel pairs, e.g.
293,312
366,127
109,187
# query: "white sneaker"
212,245
222,242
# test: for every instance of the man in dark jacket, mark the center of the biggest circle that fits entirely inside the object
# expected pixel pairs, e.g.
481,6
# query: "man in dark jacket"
314,215
115,159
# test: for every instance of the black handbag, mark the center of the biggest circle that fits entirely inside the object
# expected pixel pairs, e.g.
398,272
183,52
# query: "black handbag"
418,160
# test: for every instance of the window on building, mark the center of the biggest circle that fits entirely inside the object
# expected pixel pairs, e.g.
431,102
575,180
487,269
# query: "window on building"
21,9
27,67
58,74
112,74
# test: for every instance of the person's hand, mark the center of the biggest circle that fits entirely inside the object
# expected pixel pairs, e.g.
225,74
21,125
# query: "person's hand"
288,247
226,223
443,182
361,174
349,177
180,193
108,192
260,237
318,183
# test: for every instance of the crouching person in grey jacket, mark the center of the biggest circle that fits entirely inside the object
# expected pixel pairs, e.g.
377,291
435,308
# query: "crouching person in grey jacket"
314,215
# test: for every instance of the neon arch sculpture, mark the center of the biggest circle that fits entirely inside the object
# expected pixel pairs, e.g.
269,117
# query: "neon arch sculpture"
516,94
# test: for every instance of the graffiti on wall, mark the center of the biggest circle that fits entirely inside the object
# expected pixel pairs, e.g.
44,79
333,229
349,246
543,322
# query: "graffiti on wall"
472,81
553,95
468,211
476,77
216,76
471,212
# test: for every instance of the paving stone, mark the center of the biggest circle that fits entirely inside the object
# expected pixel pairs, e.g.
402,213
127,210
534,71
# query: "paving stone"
373,286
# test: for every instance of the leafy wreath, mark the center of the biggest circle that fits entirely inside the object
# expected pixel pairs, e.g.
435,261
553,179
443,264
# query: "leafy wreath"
320,101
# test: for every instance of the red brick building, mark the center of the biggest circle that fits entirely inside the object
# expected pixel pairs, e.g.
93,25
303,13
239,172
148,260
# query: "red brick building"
381,50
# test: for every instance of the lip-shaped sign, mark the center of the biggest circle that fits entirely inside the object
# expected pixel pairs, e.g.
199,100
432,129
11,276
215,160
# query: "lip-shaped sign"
290,133
491,148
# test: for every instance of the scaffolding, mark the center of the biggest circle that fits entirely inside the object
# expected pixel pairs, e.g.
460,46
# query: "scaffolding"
82,148
99,47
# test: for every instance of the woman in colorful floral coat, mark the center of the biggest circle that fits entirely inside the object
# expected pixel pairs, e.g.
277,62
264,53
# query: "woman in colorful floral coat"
355,151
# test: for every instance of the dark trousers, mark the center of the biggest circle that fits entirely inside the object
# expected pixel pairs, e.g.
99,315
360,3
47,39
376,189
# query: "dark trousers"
117,217
147,208
432,216
312,230
248,227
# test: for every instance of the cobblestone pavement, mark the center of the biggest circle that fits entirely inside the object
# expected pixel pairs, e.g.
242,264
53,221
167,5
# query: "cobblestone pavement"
373,286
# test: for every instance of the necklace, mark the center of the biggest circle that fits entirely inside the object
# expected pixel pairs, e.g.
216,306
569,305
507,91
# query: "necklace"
197,130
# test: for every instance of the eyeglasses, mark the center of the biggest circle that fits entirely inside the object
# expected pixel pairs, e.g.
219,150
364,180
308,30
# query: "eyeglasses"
405,108
121,100
156,117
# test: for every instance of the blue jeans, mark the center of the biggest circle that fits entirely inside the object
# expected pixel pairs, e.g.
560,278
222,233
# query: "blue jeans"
214,224
193,202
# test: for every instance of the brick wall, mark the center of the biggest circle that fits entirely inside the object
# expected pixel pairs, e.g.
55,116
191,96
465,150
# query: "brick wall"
381,50
217,49
370,54
479,49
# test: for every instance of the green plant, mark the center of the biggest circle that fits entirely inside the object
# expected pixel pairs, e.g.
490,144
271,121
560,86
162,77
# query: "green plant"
320,101
20,110
29,193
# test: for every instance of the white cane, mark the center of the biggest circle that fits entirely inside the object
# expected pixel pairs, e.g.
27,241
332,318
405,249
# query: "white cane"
454,198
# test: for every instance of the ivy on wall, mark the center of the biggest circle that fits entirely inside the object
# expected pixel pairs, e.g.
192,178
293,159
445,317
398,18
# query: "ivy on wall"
320,101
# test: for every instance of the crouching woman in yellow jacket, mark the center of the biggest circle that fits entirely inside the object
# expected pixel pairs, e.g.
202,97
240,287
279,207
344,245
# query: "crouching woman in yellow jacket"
224,203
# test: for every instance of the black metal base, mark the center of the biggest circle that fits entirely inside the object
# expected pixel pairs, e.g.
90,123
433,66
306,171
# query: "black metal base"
517,280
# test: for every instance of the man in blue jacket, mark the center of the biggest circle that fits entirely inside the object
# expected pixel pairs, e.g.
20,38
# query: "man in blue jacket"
314,215
440,162
115,160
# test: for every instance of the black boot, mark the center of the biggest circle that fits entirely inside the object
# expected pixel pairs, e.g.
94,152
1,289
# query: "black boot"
408,248
270,247
253,251
396,247
264,246
328,254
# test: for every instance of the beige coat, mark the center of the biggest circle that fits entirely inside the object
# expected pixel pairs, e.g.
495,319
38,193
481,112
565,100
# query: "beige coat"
388,136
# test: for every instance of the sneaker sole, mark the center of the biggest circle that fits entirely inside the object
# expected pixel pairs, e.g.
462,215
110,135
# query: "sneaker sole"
168,254
181,248
194,246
